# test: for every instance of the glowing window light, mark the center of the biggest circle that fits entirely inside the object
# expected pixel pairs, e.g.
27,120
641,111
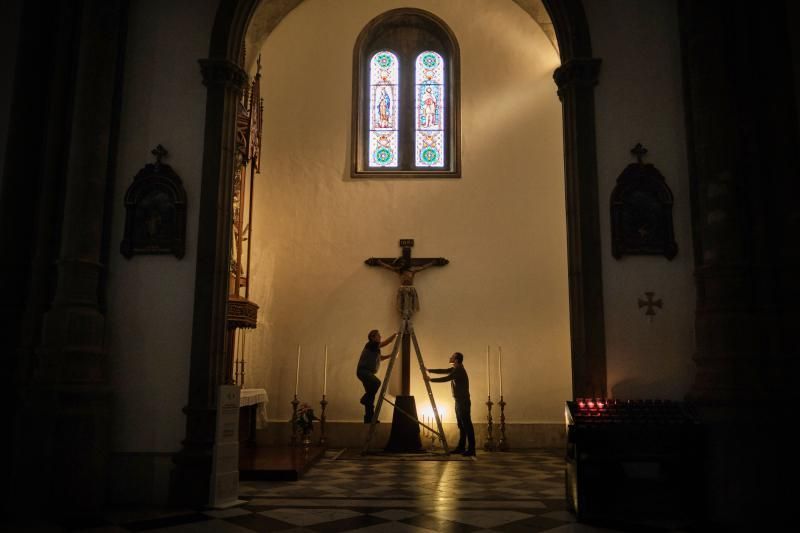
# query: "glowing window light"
383,109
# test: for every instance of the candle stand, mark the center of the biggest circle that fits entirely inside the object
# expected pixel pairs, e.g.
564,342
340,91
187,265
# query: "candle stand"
502,446
293,439
489,445
323,404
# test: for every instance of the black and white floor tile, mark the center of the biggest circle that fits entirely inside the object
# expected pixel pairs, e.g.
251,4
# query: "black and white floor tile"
495,492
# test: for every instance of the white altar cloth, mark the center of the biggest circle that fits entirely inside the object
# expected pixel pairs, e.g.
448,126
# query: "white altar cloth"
259,398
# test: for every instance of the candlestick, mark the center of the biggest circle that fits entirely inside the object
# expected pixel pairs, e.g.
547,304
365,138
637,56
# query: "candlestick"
503,444
297,376
488,375
489,445
325,374
322,440
500,369
295,402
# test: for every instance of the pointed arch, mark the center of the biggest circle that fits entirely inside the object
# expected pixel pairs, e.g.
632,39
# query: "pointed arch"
223,75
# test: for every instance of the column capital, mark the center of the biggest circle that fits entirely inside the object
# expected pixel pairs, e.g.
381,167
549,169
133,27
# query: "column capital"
222,72
579,72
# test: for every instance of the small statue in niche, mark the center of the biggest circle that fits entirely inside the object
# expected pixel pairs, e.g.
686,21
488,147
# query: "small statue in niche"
641,211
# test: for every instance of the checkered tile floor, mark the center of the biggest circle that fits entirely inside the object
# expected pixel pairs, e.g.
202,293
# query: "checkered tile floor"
494,492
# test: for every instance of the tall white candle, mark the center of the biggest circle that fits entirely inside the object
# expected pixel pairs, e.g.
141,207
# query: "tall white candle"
297,375
488,375
325,373
500,368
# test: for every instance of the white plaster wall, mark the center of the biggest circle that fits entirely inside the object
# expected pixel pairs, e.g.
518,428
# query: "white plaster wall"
502,225
149,321
639,99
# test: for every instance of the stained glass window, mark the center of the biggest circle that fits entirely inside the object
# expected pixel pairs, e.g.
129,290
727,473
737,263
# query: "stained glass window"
406,98
430,110
384,108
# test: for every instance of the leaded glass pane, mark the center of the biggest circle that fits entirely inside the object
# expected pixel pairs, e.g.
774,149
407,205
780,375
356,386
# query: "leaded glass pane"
384,105
383,68
430,108
430,149
430,68
383,109
383,148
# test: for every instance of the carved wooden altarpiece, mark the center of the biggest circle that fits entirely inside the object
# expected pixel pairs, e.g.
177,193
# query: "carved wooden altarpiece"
242,313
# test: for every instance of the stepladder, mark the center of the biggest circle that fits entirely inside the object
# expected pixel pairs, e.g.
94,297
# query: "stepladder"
406,330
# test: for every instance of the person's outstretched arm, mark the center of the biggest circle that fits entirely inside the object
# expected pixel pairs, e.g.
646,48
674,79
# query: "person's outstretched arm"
450,374
389,340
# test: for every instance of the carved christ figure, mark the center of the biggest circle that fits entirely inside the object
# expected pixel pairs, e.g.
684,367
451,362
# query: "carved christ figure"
407,298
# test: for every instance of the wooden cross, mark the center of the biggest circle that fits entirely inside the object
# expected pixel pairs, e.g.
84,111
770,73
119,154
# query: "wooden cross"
406,267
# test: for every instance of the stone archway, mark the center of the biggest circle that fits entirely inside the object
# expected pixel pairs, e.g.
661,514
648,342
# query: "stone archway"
224,77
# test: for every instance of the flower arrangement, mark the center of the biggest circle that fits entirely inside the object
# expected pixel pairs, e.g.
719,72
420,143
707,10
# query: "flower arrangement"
304,418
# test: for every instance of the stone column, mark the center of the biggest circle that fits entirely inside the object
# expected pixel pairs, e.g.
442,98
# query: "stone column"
742,126
70,401
209,360
576,80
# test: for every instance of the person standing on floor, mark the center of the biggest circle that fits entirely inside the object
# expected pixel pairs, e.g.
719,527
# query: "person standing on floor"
459,382
367,369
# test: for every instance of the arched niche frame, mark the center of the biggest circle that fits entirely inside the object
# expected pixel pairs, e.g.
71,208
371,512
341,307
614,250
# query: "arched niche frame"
224,78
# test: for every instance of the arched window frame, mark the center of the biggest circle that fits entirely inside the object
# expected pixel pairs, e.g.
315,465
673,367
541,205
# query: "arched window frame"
406,33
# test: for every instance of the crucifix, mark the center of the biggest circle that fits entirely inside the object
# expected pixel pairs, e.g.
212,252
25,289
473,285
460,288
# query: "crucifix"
405,434
407,298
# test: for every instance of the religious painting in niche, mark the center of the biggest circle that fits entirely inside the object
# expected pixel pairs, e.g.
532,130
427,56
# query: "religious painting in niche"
155,211
430,110
383,110
641,212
